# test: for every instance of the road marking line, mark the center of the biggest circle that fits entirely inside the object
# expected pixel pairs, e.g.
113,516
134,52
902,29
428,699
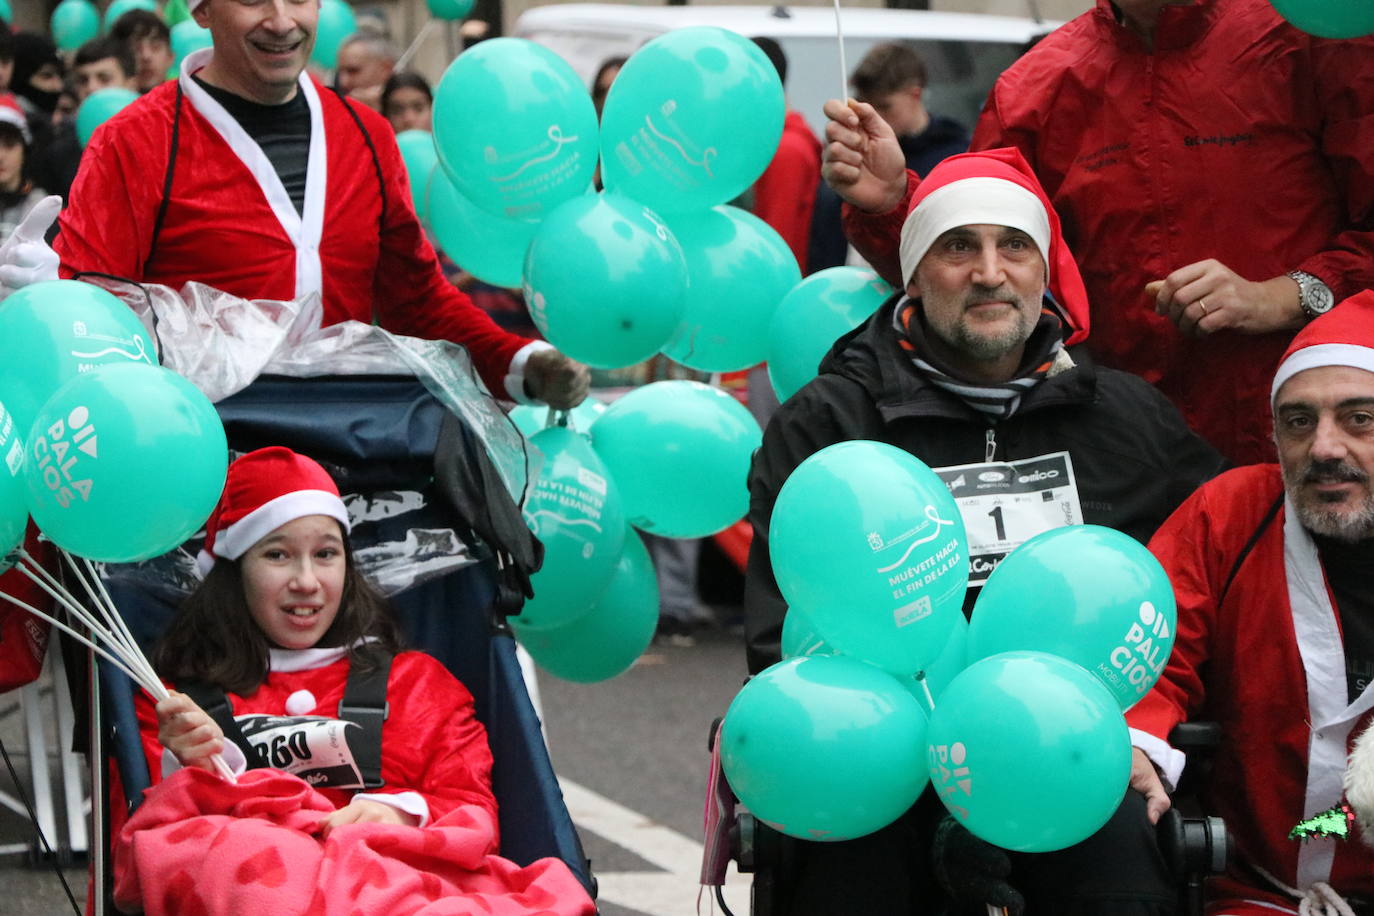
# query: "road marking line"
672,892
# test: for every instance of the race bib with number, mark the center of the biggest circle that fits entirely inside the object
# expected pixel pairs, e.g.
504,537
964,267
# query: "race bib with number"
314,748
1005,504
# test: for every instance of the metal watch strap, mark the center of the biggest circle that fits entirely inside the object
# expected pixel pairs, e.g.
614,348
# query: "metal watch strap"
1314,296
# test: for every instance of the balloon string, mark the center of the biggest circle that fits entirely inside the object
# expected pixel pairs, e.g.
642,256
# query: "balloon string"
131,659
414,46
75,635
930,698
844,68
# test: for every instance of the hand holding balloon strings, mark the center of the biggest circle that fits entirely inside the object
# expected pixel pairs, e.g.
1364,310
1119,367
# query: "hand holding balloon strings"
104,622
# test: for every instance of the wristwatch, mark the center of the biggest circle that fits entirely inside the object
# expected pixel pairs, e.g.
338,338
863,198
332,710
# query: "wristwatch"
1313,295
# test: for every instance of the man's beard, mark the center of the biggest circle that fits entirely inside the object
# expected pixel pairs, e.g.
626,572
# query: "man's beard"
1344,524
985,345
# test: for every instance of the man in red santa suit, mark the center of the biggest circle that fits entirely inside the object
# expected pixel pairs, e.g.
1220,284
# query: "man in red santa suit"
249,176
1271,566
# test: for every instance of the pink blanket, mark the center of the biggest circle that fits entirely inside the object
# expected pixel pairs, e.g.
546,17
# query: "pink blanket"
199,845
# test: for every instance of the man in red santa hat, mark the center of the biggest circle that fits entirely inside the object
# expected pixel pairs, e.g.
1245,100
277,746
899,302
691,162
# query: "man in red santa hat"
1271,566
977,368
249,176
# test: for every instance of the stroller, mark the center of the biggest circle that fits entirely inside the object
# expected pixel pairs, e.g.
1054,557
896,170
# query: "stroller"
436,530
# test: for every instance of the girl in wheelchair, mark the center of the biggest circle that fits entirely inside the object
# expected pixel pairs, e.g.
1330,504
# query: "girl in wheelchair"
286,662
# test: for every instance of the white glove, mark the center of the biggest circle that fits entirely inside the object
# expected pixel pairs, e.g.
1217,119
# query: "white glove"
24,257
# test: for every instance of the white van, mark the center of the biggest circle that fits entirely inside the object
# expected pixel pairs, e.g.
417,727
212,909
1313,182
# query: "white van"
964,52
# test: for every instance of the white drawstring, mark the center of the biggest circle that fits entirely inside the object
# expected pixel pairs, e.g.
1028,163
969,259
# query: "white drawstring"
1320,899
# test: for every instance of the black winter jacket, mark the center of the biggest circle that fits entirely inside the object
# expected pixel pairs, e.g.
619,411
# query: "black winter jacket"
1134,459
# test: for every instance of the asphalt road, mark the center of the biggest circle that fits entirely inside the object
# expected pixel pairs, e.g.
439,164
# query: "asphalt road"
639,741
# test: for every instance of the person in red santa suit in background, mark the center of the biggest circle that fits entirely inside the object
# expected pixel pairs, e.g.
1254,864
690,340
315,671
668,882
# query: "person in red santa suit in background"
1271,568
1214,168
248,175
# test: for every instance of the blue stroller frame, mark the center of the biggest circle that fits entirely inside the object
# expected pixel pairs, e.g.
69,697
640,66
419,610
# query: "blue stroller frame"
380,437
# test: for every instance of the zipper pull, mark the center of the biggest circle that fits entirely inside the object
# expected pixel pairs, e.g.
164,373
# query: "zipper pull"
992,445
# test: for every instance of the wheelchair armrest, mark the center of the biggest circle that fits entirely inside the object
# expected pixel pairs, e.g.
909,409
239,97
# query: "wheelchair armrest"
1194,846
1195,736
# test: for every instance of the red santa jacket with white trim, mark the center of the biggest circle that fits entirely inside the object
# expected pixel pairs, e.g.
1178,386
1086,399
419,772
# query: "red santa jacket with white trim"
432,742
1265,661
230,224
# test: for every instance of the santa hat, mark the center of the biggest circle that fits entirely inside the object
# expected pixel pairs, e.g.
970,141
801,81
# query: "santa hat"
13,115
1343,336
264,490
995,187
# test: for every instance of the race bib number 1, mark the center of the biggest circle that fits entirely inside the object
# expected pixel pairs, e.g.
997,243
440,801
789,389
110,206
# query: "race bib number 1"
1005,504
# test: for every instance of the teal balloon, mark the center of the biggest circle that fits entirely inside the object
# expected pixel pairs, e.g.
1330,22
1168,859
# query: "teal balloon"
680,452
812,316
1029,752
335,24
73,23
98,108
1329,18
605,281
800,636
491,248
575,511
740,269
51,332
14,511
515,128
417,152
867,540
124,463
187,36
6,14
608,639
531,418
120,7
824,748
1090,594
450,10
692,120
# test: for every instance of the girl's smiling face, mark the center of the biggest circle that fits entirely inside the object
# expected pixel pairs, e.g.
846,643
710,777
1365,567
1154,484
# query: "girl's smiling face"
293,581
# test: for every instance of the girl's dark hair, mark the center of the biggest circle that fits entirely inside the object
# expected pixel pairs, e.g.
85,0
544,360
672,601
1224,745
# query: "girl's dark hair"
213,638
405,79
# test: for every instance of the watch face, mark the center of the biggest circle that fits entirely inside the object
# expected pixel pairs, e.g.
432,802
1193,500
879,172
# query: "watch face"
1320,298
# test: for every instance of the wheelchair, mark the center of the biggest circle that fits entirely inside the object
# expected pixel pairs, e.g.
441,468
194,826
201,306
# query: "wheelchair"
1194,846
438,532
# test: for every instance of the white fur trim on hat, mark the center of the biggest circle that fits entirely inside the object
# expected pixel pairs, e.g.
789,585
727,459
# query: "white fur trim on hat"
968,202
11,115
234,541
1319,356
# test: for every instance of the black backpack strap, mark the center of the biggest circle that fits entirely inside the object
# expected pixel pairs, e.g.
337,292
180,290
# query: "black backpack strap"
1249,546
371,148
364,704
167,179
216,705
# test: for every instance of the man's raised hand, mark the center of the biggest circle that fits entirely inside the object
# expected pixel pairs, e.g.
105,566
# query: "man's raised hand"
863,161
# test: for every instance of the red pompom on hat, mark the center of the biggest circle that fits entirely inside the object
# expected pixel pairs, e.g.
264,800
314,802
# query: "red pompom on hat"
995,187
1343,336
264,490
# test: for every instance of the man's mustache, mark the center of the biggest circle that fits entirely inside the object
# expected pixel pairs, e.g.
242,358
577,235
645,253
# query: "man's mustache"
982,295
1333,471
